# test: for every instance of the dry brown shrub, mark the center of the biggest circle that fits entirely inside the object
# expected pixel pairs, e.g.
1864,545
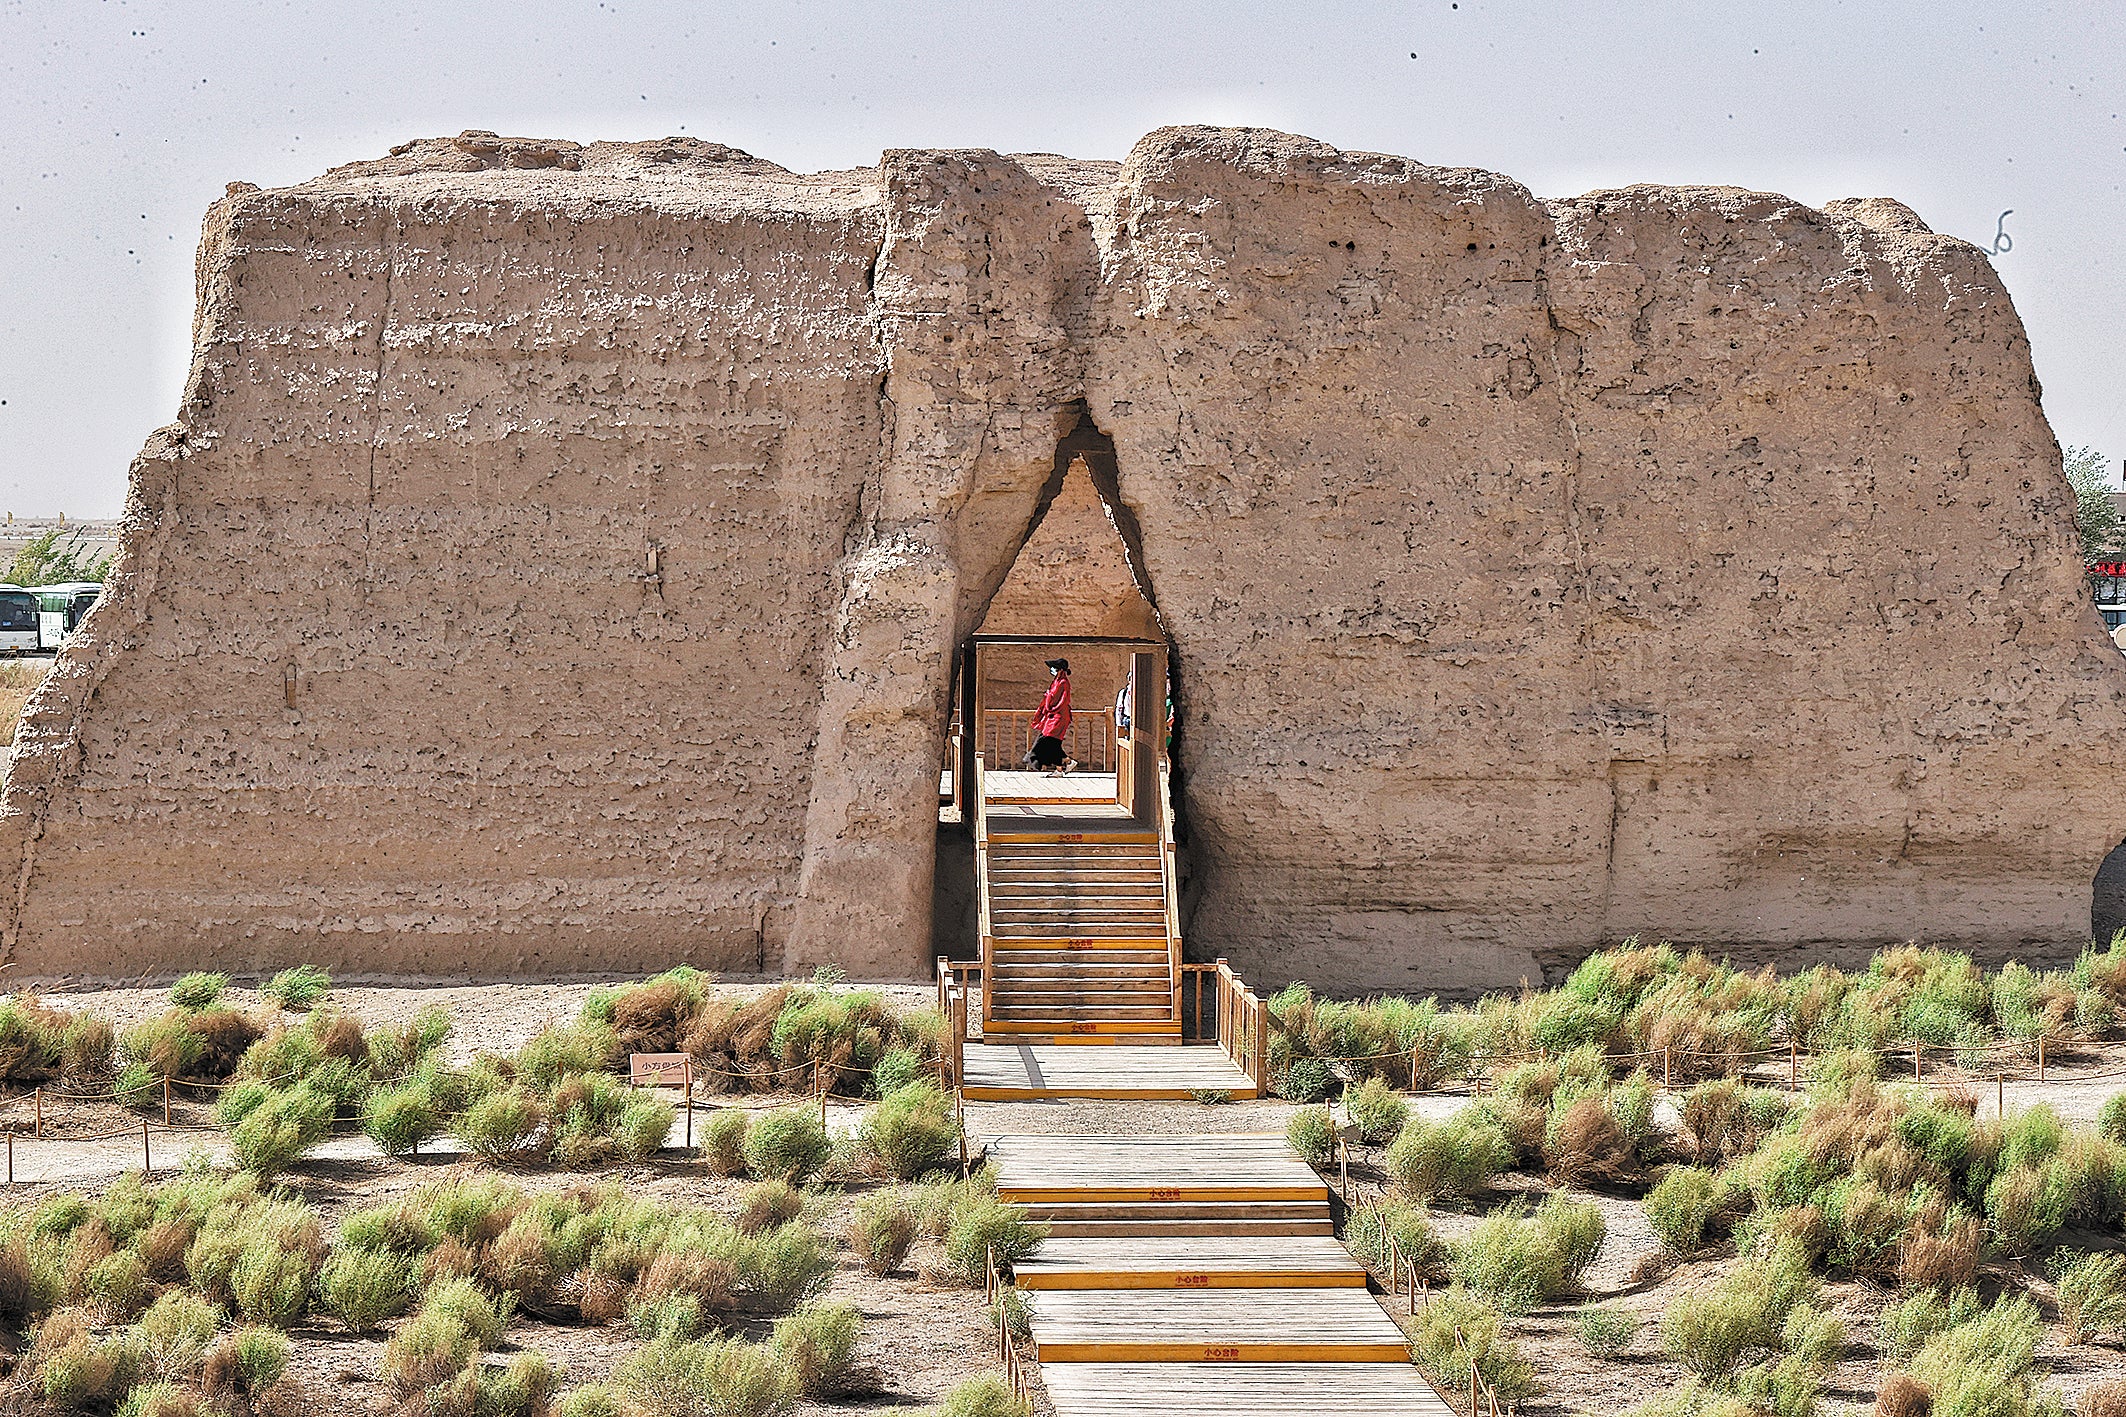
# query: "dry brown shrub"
1943,1248
17,1291
602,1297
518,1260
1958,1099
1903,1395
1715,1120
2109,976
2103,1400
90,1242
654,1017
449,1260
342,1038
179,1403
225,1034
163,1245
707,1278
1588,1144
1805,1224
1649,1267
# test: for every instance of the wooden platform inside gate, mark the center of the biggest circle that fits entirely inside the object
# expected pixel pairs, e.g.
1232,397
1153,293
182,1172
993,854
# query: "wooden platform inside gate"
1213,1326
1106,1067
1192,1262
1240,1390
1209,1166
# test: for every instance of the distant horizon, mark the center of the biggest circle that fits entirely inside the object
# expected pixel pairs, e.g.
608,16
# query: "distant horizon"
129,122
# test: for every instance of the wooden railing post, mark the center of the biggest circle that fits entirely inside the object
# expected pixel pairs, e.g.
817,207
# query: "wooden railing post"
1262,1045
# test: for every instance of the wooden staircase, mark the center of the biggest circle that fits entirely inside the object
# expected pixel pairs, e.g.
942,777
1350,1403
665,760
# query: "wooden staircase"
1080,941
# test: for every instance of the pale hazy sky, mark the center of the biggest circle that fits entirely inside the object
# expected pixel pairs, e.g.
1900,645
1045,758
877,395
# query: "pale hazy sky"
125,118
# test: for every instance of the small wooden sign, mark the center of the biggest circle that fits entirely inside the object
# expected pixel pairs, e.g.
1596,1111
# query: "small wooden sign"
660,1070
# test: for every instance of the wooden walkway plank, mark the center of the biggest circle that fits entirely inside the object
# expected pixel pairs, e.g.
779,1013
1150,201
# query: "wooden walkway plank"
1212,1166
1217,1325
1241,1390
1011,1072
1191,1262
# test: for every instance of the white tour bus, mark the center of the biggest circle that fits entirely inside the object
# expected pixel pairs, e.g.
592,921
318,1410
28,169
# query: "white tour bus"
18,621
60,608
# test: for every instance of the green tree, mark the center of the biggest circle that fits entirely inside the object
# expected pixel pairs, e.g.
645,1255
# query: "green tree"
56,557
2095,515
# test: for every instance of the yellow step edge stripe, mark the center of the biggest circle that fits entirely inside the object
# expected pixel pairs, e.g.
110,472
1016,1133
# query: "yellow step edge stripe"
1149,1352
1195,1279
975,1092
1159,1195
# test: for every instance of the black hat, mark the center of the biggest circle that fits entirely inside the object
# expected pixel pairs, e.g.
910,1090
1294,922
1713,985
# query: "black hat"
1061,666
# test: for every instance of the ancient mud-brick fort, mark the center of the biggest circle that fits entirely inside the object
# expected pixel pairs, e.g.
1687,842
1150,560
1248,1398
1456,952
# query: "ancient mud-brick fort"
562,557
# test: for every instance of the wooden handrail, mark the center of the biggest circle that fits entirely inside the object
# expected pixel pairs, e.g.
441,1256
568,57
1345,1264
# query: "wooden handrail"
1007,736
981,890
1170,878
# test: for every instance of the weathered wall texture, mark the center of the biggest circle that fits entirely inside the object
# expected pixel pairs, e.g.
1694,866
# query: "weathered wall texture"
1685,562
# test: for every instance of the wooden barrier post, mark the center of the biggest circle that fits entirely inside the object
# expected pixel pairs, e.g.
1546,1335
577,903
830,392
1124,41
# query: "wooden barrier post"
2000,1096
1793,1066
2041,1057
1343,1170
11,1156
819,1086
687,1072
1918,1051
1667,1069
166,1100
147,1161
40,1114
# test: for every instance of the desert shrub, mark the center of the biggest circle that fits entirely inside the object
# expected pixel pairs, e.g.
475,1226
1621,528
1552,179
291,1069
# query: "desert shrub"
985,1225
1981,1368
428,1349
595,1400
882,1230
116,1286
1902,1395
506,1126
984,1396
766,1204
1210,1096
175,1331
1683,1205
398,1119
1377,1110
361,1288
39,1043
1712,1332
2020,1211
2111,1117
788,1144
1604,1332
2092,1291
1458,1318
1908,1323
726,1377
2106,1399
250,1360
1307,1080
1456,1157
1518,1260
1312,1133
198,990
281,1128
73,1368
298,988
723,1140
816,1346
1371,1227
911,1131
896,1068
160,1399
780,1268
1584,1141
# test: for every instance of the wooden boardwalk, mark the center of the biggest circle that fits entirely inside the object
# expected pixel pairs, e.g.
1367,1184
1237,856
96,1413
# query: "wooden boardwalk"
1109,1067
1197,1275
1240,1390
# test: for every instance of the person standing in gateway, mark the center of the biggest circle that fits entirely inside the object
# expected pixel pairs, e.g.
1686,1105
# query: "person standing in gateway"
1051,721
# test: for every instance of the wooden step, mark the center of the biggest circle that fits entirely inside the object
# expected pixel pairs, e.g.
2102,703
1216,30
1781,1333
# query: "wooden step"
1226,1389
1023,1062
1154,944
1220,1325
1154,1228
1206,1166
1110,959
1190,1262
1010,987
1058,1026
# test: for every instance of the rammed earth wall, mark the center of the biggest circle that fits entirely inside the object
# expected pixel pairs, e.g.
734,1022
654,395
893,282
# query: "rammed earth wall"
557,558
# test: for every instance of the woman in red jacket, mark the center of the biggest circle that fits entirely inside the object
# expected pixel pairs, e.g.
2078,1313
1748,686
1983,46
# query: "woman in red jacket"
1051,721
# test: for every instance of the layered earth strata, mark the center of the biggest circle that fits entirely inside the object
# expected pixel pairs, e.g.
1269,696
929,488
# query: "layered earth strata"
558,557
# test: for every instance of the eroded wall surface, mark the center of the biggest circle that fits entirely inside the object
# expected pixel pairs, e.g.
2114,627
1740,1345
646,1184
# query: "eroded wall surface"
558,557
